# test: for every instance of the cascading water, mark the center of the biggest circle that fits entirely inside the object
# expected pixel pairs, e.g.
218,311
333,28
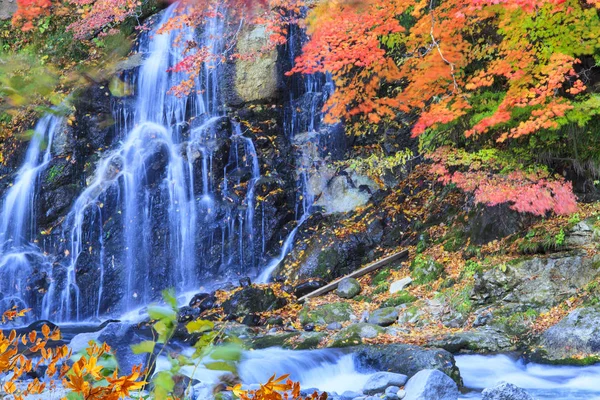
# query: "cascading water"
21,262
303,124
159,190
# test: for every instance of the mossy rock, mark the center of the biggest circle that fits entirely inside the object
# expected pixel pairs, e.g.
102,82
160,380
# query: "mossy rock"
425,270
305,341
276,340
326,313
384,316
354,334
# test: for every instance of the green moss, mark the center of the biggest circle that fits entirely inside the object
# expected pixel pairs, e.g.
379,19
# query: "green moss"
325,314
402,297
327,261
425,270
382,288
381,277
454,240
54,172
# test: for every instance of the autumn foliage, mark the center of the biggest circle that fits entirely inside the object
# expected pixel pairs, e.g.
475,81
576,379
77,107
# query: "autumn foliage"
476,74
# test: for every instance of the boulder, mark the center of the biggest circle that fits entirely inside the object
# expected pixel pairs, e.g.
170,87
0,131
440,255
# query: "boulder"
251,300
505,391
379,382
430,384
348,288
350,395
354,334
486,340
400,285
326,314
576,335
384,316
405,359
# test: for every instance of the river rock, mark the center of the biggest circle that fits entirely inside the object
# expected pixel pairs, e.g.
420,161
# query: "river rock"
430,384
380,381
405,359
348,288
384,316
400,285
252,300
505,391
576,335
354,334
350,395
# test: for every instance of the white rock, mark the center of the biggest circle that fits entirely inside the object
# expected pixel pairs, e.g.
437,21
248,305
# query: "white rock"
400,285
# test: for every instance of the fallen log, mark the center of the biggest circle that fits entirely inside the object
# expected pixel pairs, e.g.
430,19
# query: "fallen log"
360,272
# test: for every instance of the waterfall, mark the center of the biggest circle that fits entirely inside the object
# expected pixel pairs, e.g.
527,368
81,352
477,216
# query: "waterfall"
20,260
302,122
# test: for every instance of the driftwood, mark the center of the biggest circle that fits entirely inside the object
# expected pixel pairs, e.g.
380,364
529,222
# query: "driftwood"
363,271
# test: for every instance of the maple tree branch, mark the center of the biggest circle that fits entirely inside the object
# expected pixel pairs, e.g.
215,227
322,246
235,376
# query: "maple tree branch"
437,45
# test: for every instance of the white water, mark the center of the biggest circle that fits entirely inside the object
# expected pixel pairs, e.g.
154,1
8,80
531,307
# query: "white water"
541,381
17,221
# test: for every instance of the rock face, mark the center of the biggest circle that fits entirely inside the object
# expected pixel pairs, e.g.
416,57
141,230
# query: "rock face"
256,79
574,340
406,359
537,281
382,380
431,384
7,9
505,391
348,288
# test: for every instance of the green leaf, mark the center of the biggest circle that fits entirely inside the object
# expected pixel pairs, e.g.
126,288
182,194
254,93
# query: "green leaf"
220,366
169,298
161,313
75,396
164,380
229,352
143,347
199,326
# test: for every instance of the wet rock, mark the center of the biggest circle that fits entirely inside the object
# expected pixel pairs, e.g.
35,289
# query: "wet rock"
354,334
406,359
203,301
383,316
251,320
348,288
187,314
380,381
490,223
252,300
308,286
245,282
276,340
576,334
326,313
431,384
505,391
350,395
309,327
400,285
